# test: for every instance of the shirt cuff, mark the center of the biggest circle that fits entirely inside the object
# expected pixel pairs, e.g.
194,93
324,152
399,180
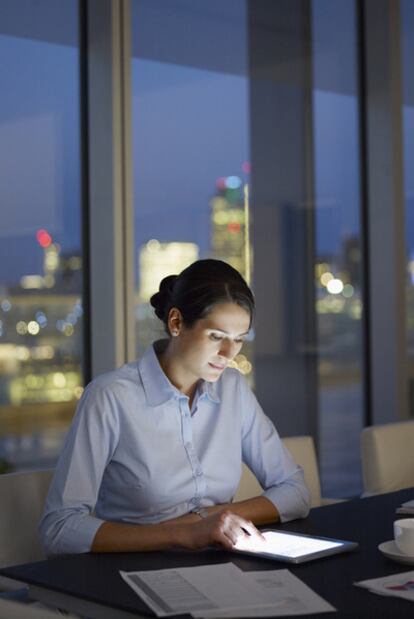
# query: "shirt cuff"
291,501
77,535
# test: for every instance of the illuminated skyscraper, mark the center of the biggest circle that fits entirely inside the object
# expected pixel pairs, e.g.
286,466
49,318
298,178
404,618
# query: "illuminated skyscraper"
230,241
230,224
157,260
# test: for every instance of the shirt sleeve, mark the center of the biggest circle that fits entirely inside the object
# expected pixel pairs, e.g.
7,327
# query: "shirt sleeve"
68,524
264,453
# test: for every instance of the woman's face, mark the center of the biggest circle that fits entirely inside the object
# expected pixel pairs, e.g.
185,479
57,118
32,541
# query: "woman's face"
205,349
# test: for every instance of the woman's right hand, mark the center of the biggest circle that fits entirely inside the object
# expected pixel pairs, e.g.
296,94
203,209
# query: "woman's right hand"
222,528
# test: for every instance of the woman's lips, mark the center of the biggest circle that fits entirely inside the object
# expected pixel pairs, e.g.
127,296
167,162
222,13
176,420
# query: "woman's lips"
216,366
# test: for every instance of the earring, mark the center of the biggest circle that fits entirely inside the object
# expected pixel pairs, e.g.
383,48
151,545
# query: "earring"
174,333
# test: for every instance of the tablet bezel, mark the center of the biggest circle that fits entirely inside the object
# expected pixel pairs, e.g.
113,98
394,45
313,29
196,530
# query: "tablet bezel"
345,546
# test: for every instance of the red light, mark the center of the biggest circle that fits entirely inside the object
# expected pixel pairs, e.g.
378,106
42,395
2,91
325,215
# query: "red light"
43,238
233,227
246,167
221,183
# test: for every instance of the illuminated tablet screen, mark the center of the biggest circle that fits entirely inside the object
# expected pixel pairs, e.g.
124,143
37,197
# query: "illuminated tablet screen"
287,545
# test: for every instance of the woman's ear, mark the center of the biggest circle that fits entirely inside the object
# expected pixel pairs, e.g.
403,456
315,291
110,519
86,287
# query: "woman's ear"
175,322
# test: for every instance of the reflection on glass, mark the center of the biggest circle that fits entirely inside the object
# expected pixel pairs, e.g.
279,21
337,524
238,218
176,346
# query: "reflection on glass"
338,259
40,260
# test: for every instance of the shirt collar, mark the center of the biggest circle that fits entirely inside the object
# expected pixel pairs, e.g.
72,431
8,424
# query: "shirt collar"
158,389
210,389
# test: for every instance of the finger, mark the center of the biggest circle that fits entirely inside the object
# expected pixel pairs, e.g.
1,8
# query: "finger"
249,528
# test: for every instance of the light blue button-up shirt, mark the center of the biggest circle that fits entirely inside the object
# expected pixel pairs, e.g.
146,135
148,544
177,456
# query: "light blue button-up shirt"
136,453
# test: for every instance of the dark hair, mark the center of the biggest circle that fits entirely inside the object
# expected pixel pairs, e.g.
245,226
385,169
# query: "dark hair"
197,289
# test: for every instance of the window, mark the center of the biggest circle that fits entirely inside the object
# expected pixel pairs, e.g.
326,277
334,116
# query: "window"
40,250
190,145
338,245
220,126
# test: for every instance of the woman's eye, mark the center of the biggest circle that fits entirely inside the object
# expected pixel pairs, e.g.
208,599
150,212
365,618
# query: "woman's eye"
239,341
216,338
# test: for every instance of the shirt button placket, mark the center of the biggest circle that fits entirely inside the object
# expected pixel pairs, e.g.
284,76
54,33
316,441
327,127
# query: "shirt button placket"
192,456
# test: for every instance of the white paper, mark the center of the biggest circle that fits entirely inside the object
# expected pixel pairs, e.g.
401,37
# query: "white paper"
397,585
290,597
223,590
406,508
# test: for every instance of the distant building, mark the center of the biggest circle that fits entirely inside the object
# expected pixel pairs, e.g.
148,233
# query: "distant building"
229,228
157,260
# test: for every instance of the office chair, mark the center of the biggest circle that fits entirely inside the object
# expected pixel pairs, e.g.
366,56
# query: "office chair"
22,496
387,453
303,452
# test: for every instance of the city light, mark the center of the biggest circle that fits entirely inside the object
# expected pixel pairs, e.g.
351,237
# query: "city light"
355,311
49,280
326,278
68,330
242,364
233,182
43,238
348,291
335,286
59,379
51,259
33,327
31,282
42,352
158,260
21,327
153,245
233,227
22,353
41,319
77,392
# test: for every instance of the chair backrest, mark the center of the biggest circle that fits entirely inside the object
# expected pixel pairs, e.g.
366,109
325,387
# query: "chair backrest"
303,452
387,453
22,496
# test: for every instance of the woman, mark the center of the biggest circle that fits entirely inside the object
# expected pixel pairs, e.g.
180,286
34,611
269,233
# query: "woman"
153,456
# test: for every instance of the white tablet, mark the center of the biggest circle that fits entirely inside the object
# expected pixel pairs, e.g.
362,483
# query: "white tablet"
292,547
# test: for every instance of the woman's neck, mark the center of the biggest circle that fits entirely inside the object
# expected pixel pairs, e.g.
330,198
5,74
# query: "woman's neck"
170,364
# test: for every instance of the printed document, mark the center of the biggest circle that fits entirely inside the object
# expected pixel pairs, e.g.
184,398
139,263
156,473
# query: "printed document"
406,508
397,585
223,590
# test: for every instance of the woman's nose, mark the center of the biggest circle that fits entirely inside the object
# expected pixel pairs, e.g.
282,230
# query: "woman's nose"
227,349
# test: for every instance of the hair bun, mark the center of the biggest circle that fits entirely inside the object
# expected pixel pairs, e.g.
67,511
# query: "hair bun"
161,300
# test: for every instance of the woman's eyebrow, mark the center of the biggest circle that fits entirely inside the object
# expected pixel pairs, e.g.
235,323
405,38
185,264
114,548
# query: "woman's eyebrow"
226,332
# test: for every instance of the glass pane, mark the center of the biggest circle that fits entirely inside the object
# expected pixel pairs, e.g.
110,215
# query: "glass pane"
407,25
222,131
40,251
190,146
338,253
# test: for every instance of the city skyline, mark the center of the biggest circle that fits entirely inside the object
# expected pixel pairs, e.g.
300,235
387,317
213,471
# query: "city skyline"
179,185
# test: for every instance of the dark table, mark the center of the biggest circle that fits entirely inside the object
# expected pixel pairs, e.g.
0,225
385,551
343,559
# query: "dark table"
90,584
